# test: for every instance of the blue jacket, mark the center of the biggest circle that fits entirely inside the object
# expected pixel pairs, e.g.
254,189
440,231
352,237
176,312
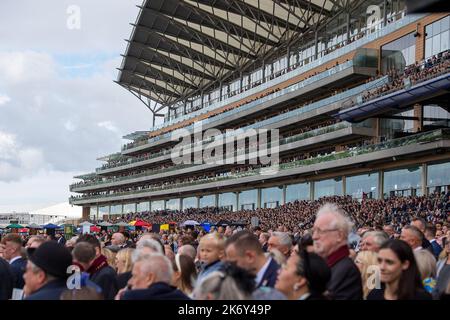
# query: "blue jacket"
208,269
436,248
270,276
157,291
50,291
18,269
6,280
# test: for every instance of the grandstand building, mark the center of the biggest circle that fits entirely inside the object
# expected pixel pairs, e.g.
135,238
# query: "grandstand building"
358,91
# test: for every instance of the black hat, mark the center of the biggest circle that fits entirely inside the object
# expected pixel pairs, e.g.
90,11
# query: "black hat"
53,258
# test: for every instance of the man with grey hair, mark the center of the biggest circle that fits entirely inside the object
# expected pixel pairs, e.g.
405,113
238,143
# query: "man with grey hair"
146,247
281,241
330,235
151,280
188,250
373,240
412,236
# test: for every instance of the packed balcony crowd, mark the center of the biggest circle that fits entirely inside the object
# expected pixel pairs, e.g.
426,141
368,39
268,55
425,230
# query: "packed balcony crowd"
328,249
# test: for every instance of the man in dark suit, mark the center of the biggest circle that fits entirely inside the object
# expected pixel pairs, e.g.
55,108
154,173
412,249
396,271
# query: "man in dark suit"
244,250
60,239
6,280
151,278
421,224
430,234
12,243
46,272
101,273
330,235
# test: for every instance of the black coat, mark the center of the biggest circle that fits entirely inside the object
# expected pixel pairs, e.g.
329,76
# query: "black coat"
106,278
157,291
270,276
345,282
50,291
18,269
6,280
122,279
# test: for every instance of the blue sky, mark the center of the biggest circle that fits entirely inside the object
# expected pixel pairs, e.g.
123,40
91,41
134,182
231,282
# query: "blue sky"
59,107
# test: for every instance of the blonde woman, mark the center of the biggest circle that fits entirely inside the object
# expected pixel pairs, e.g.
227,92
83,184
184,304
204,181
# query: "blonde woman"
124,265
367,264
427,268
110,257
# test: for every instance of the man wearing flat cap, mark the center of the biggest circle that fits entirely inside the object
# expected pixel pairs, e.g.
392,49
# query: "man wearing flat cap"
46,272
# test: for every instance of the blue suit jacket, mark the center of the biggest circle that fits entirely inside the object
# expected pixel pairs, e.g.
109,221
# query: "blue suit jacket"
436,248
50,291
18,269
157,291
270,276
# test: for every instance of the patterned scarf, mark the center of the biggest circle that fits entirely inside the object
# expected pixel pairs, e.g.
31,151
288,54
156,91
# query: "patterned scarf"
98,264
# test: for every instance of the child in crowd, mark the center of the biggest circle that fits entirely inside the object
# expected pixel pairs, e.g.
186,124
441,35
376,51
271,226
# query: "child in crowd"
212,251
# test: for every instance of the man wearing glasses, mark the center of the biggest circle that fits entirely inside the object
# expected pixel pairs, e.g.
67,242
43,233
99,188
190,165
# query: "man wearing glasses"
330,235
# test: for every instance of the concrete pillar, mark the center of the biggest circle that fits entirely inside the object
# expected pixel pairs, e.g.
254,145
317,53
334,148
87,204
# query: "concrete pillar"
86,213
284,195
237,202
311,190
418,113
258,198
380,184
344,188
424,179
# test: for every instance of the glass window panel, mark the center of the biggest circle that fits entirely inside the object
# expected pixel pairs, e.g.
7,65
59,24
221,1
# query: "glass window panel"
428,47
103,211
444,40
248,199
436,44
299,191
143,206
129,207
329,187
365,185
173,204
439,174
403,182
428,31
157,205
116,209
271,197
227,201
190,202
208,201
445,23
436,28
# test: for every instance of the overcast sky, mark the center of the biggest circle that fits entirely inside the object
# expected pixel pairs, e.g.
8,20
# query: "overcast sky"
59,106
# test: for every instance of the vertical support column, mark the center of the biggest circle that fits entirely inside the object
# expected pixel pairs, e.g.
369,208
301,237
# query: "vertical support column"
180,204
216,200
377,126
263,71
380,184
384,12
258,198
86,213
424,179
220,91
348,26
284,195
344,187
97,212
418,113
198,202
288,57
311,190
316,34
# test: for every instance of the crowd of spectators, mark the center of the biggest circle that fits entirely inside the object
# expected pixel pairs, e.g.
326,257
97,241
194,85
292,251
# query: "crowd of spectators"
336,248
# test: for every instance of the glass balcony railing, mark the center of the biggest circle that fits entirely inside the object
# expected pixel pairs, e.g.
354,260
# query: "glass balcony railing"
293,113
352,152
383,31
294,138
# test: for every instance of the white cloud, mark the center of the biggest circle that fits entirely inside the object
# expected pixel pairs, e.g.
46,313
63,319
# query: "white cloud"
17,161
69,125
4,99
64,110
108,125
